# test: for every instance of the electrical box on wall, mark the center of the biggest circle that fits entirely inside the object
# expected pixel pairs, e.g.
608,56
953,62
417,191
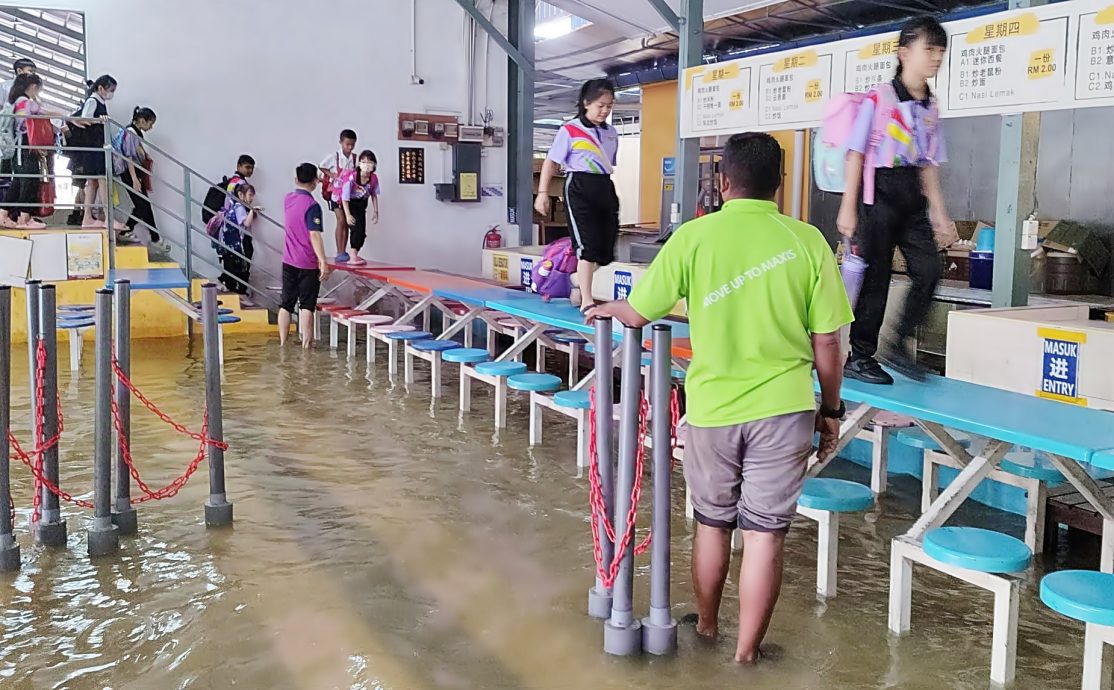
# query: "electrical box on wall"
465,187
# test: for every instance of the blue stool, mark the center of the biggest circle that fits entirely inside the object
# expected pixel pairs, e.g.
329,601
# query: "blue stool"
978,557
568,338
568,342
76,323
1087,596
1031,465
823,500
1035,474
932,456
575,404
222,321
496,375
393,339
534,383
464,356
431,351
573,400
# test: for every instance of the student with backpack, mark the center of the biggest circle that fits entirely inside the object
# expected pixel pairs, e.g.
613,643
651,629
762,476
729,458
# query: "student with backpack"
237,218
893,158
28,164
587,148
335,169
89,133
131,164
359,189
219,193
7,132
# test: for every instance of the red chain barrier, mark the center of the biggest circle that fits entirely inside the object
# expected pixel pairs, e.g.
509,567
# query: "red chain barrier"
171,489
595,491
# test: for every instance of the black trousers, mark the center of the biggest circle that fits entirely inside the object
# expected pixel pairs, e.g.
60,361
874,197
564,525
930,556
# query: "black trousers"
25,190
898,218
235,267
142,213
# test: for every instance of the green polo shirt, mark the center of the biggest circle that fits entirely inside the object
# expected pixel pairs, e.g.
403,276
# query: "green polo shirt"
758,285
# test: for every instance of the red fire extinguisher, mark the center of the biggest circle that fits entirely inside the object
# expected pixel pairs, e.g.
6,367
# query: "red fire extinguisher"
493,240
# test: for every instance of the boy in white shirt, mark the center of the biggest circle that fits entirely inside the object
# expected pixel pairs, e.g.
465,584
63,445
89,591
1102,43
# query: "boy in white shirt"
333,169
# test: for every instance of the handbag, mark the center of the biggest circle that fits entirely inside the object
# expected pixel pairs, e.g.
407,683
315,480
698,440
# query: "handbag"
40,133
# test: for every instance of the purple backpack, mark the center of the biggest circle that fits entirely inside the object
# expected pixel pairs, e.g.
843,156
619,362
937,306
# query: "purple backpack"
551,276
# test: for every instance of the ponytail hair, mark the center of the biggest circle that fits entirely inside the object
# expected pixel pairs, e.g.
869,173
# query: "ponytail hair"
105,81
243,188
921,27
21,84
145,114
591,91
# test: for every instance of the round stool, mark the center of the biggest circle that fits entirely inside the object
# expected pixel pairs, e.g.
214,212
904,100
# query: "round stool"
1031,465
534,383
1086,596
568,338
435,345
80,308
407,336
501,369
977,549
372,320
573,400
915,437
466,355
835,495
392,328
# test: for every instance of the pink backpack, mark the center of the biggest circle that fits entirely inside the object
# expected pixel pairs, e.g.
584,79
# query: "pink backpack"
551,276
830,147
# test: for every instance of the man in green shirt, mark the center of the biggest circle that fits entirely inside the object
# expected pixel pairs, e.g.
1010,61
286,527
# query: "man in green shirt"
765,304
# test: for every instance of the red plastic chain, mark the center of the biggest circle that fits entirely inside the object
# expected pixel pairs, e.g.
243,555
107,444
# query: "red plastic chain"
171,489
675,418
595,492
41,446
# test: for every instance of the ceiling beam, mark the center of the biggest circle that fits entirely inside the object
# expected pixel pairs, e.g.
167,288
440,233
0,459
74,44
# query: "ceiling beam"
667,14
519,59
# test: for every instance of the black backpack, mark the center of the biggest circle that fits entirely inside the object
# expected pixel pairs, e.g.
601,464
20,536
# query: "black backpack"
214,200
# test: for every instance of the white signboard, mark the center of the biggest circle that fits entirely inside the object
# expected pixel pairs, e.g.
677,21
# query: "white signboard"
793,88
1057,56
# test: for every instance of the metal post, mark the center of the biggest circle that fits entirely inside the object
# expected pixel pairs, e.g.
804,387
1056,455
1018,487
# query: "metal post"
689,54
523,39
51,530
108,179
104,537
124,515
798,174
188,194
622,634
9,547
218,511
659,630
599,597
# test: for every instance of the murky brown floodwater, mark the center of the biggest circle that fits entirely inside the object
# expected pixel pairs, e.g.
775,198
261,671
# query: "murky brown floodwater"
382,544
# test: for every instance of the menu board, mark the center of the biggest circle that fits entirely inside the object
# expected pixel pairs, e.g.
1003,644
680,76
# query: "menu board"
719,97
1011,61
1057,56
1094,67
794,88
870,65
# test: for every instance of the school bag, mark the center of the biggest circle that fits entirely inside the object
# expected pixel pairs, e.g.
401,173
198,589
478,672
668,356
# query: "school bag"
832,143
214,202
552,275
119,161
331,186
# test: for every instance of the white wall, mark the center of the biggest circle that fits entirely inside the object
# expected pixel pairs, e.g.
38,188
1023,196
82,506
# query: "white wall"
280,78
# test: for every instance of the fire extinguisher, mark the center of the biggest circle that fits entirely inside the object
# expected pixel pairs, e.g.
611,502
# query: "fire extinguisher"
493,240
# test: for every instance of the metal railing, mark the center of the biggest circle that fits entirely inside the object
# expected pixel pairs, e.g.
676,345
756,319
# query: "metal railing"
194,256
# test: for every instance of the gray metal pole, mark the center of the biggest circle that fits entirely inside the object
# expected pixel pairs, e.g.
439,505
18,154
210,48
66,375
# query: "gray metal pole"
9,547
218,511
188,195
599,597
690,53
659,630
51,530
622,634
108,222
123,514
34,292
104,537
524,119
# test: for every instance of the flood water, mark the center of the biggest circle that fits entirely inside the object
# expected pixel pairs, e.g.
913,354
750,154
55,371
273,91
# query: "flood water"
380,542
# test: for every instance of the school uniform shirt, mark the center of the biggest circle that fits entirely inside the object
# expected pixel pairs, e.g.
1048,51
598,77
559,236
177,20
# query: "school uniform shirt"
338,163
912,137
582,147
89,110
25,106
353,190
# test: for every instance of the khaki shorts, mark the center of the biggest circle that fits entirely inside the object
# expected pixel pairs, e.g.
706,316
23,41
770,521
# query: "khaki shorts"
749,475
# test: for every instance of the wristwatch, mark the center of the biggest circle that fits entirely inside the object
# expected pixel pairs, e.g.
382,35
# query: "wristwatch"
829,413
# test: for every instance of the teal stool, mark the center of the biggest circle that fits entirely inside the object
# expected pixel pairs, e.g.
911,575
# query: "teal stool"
568,342
1087,596
430,351
222,321
932,457
495,374
537,385
1034,473
822,500
396,337
575,404
979,557
465,356
76,322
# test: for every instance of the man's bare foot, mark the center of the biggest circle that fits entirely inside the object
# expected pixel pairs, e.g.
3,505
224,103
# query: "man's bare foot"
709,633
770,651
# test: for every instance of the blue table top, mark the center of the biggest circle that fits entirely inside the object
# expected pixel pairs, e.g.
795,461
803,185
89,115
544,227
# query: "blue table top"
1074,432
476,296
561,314
1104,459
150,278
